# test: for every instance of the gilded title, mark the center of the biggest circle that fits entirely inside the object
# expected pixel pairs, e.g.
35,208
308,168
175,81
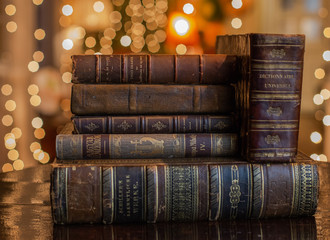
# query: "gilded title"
93,146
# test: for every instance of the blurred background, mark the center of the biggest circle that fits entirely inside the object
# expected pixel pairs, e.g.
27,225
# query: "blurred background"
37,38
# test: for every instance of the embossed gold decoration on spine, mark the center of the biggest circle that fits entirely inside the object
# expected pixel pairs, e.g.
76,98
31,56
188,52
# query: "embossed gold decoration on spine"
159,125
277,53
92,126
274,111
235,192
125,125
220,125
272,139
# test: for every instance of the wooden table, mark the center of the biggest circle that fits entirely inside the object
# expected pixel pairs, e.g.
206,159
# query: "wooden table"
25,213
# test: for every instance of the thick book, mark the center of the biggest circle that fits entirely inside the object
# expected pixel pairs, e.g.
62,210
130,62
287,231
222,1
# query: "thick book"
269,92
169,190
102,99
154,124
276,228
154,69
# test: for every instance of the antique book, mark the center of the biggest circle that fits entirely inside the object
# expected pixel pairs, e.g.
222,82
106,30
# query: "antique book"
269,92
303,228
114,146
167,190
154,69
154,124
103,99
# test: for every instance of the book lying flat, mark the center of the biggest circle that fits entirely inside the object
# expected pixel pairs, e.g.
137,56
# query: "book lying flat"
165,190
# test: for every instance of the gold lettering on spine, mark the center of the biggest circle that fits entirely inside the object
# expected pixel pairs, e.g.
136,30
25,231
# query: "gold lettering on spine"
192,144
120,197
235,192
93,146
276,76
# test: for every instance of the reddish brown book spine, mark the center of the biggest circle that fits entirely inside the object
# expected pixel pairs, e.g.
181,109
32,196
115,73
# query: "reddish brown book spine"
102,99
114,146
154,69
269,94
153,124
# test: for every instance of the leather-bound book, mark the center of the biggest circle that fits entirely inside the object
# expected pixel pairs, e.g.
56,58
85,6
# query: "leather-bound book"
105,99
170,190
116,146
154,124
269,93
155,69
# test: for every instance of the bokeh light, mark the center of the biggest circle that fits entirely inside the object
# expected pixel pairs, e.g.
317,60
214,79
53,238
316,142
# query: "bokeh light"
6,89
67,10
316,137
188,8
10,9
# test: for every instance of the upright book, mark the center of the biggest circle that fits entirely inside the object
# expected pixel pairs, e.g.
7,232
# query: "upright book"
168,190
269,93
106,99
154,69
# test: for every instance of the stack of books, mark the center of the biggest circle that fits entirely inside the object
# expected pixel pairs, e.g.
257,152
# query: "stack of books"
158,138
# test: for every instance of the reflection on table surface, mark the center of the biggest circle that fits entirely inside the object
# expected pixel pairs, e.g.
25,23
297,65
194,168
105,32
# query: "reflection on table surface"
26,214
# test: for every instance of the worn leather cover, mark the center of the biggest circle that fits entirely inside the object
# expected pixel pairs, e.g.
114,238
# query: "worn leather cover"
269,94
166,190
114,146
154,124
102,99
155,69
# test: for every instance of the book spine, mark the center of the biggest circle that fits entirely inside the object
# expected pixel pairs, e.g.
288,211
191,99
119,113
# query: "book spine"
230,191
284,190
166,193
154,69
269,94
100,99
115,146
153,124
275,97
178,193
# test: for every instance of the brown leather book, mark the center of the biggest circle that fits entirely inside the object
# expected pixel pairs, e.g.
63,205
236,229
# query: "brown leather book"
154,124
166,190
154,69
269,93
102,99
